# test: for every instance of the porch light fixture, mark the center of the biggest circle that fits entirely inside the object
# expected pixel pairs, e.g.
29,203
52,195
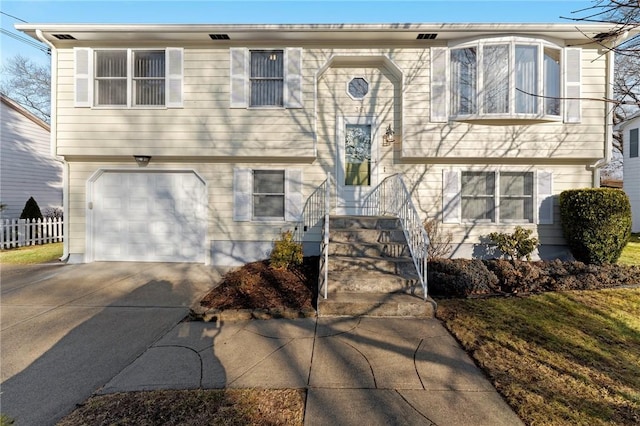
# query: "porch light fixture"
142,160
389,136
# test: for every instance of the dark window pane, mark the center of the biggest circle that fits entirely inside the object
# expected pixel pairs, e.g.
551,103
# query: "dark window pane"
268,205
268,181
633,143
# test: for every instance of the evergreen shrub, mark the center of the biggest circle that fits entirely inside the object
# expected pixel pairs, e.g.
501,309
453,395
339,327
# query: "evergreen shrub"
596,222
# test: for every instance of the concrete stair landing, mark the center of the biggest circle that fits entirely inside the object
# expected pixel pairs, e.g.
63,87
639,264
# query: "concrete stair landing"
370,270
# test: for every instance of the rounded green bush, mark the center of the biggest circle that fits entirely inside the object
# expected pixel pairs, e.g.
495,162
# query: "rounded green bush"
596,222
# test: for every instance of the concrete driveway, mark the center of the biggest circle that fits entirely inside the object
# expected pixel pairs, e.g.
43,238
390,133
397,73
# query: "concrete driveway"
66,330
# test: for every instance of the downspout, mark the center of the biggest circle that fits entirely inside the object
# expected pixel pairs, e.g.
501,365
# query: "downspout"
608,128
54,141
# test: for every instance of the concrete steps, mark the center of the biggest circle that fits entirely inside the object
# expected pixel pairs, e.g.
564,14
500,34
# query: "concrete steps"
370,270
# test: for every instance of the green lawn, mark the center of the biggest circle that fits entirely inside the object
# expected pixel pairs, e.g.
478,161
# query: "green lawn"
631,253
31,255
557,358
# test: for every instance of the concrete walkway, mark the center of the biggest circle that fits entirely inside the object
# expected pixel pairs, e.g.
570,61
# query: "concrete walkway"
376,371
69,331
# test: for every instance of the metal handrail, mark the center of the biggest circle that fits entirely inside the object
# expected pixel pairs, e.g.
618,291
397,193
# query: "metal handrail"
391,197
316,209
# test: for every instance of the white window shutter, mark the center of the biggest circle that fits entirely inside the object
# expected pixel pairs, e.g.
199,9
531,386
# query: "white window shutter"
544,197
242,194
451,208
438,94
239,58
82,75
293,195
293,78
175,80
572,84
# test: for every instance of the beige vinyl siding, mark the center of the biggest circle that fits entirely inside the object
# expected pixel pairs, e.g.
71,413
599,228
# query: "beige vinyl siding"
210,138
206,126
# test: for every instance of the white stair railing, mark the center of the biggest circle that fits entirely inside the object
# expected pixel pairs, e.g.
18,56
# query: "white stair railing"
391,197
316,211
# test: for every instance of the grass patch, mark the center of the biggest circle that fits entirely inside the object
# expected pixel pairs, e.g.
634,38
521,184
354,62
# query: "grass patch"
193,407
557,358
31,255
631,253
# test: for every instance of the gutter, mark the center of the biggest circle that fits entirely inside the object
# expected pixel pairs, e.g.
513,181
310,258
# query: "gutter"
54,141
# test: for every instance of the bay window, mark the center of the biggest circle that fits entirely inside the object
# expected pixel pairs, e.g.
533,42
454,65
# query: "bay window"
505,78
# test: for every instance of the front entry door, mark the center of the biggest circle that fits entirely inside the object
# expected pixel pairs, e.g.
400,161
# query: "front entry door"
357,170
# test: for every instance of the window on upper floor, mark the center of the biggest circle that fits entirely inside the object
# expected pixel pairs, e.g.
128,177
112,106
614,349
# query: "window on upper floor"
129,77
265,78
505,78
633,143
123,78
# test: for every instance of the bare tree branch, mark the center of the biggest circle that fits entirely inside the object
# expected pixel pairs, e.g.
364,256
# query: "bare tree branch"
29,84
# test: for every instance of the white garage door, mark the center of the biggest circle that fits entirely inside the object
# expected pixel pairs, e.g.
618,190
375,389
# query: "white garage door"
149,217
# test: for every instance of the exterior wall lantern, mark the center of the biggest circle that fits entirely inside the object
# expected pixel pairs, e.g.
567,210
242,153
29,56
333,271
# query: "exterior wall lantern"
142,160
389,136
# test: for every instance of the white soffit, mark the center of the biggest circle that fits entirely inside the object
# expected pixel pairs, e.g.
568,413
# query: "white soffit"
382,33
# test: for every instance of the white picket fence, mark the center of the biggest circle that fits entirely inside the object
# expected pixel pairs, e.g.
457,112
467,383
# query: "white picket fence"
29,232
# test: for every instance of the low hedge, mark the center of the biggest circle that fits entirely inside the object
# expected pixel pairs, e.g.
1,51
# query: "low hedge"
474,277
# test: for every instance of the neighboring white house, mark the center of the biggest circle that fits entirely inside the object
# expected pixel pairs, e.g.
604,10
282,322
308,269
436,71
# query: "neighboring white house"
27,167
203,142
631,183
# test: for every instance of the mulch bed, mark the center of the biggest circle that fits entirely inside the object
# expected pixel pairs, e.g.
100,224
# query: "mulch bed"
257,286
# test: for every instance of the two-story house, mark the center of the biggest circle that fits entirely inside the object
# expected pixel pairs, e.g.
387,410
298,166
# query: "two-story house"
202,143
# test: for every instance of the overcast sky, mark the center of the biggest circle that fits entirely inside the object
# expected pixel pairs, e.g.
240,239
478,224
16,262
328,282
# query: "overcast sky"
271,12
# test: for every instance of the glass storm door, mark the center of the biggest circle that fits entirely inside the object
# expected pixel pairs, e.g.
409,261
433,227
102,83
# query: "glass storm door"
357,173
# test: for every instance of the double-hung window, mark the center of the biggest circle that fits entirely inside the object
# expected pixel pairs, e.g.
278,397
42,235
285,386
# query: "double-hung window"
268,194
110,77
267,78
128,77
516,197
478,196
